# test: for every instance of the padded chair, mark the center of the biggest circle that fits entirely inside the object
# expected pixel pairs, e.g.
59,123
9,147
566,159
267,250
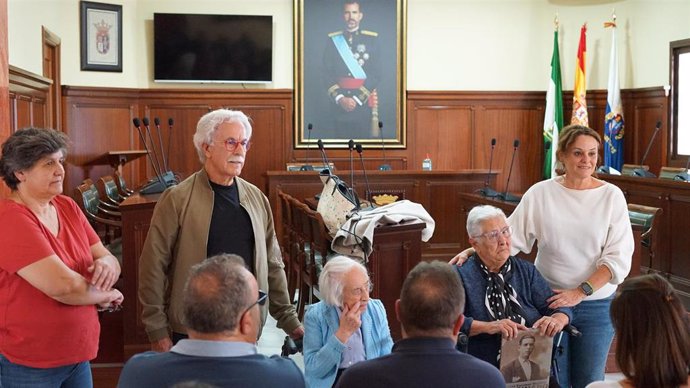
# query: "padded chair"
292,268
648,217
105,205
628,169
87,197
671,172
122,185
108,191
302,250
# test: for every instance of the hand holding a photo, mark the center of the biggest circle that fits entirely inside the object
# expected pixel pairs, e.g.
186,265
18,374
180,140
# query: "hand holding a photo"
551,325
505,327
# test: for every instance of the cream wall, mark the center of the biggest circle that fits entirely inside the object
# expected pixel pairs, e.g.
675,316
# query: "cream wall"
451,44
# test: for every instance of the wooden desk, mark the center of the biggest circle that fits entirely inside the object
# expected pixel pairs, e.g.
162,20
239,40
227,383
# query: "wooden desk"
672,253
396,250
437,191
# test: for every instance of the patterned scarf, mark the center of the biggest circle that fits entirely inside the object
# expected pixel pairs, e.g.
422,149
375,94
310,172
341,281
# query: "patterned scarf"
501,299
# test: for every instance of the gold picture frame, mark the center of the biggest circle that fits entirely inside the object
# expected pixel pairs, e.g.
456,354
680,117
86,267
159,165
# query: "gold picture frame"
328,84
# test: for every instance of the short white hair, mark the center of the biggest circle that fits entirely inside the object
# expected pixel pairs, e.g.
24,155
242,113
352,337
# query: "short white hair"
479,214
209,123
331,278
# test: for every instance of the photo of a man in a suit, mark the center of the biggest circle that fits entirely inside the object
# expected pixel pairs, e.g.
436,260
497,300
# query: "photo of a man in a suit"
522,368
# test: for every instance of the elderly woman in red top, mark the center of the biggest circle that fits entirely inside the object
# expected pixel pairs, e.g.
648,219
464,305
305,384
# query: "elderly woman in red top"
54,271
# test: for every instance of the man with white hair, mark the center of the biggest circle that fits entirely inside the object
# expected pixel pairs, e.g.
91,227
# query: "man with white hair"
211,212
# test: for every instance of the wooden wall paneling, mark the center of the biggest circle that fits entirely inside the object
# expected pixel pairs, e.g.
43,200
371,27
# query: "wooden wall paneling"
183,158
444,132
645,117
269,138
28,94
22,111
96,130
507,124
99,120
647,107
270,112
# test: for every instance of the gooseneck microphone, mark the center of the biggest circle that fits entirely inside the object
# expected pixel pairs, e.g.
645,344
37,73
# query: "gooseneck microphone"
487,191
146,122
358,147
306,166
170,134
385,166
157,184
157,122
505,195
641,171
324,157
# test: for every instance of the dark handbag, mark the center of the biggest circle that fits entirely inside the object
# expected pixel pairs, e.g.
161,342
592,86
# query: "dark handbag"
337,201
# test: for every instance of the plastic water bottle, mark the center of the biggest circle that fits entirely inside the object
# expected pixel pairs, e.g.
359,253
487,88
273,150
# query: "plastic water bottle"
426,163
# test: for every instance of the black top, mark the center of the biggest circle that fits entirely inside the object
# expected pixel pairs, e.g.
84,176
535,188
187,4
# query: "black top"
423,362
231,227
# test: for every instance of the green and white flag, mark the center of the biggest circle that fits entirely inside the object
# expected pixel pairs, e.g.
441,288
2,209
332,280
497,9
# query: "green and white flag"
553,116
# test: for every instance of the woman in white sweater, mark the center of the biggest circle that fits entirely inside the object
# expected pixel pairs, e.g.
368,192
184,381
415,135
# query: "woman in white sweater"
585,245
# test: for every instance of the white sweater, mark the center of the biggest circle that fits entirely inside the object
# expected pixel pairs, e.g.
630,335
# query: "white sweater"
576,231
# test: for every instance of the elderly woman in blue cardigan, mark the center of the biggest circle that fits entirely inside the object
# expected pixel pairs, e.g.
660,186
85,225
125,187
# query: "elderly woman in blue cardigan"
504,295
345,327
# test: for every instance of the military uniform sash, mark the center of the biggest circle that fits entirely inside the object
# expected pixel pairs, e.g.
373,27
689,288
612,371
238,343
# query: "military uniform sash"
346,54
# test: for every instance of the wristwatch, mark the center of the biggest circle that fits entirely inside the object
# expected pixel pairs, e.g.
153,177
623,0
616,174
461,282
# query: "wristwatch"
587,288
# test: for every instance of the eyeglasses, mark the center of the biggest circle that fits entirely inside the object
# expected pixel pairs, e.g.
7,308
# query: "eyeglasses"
232,144
493,235
260,301
359,291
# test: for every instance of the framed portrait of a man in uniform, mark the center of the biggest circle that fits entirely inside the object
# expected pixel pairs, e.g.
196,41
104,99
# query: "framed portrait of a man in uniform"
349,72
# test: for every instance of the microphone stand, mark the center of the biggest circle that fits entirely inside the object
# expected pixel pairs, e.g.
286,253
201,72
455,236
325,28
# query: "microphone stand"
505,195
167,177
157,121
487,191
307,166
385,166
641,171
157,184
364,170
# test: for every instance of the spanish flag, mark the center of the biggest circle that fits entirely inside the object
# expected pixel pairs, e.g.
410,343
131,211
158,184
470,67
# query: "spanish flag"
580,90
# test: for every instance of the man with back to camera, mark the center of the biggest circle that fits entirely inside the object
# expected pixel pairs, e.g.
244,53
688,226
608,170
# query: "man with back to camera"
430,312
522,368
352,71
222,313
211,212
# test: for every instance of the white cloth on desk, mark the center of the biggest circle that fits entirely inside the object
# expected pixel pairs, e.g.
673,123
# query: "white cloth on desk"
357,233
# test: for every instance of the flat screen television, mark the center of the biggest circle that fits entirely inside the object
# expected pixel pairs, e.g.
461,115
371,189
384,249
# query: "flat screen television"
212,48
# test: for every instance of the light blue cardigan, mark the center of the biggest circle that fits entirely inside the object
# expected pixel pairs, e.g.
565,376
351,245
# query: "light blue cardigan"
323,351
